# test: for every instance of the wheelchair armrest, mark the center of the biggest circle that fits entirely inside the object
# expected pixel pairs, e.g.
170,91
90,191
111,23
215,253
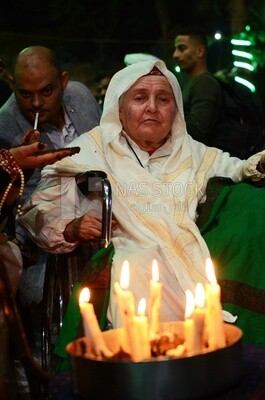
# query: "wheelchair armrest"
93,182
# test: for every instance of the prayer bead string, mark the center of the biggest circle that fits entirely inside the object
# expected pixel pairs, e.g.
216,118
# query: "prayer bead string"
9,165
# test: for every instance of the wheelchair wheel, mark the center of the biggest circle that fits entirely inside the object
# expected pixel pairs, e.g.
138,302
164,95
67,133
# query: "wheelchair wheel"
61,273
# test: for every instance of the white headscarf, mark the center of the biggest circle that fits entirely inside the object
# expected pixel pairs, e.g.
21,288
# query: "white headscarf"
110,122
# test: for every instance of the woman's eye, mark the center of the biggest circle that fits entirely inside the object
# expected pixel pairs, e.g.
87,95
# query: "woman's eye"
163,99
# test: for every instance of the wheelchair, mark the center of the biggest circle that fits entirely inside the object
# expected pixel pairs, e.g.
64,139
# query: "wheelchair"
64,270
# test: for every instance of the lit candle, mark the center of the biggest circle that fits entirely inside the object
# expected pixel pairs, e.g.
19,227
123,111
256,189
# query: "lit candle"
125,302
188,324
155,302
142,329
91,328
214,319
198,315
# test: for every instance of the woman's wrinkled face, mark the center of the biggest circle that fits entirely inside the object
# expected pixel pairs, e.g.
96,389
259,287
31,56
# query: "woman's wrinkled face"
147,111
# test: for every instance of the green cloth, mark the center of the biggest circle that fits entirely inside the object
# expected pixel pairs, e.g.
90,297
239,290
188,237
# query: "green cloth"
232,222
96,276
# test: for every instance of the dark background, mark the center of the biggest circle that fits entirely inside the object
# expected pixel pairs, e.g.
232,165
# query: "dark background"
93,35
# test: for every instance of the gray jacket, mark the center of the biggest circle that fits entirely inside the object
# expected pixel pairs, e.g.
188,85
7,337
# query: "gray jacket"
79,103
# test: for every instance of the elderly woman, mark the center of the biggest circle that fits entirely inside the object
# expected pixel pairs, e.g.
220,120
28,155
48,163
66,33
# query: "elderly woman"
158,175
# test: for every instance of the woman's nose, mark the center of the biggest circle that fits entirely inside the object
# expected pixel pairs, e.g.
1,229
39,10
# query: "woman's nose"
151,105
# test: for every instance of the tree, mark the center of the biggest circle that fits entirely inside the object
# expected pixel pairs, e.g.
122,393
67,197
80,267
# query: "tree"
238,15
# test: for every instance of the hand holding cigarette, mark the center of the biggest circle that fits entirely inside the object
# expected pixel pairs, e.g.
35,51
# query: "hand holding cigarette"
30,137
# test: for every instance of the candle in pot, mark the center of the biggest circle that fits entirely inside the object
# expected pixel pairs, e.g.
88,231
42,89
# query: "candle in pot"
91,326
188,325
214,319
198,315
155,302
125,302
142,329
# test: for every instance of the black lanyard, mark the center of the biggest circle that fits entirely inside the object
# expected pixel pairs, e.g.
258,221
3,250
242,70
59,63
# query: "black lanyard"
130,146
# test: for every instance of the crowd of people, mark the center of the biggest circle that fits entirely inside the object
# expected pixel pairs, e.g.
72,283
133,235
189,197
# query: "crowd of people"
153,150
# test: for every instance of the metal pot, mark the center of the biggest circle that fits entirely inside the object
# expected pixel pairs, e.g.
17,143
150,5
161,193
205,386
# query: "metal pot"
194,377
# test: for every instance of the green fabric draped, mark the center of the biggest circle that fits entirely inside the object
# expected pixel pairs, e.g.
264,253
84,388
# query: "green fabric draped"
232,222
96,276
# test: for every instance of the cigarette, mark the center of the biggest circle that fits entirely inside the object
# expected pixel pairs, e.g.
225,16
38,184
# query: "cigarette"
36,121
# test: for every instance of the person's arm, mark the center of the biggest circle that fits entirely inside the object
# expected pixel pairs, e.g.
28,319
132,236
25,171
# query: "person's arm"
238,170
34,155
5,179
18,163
202,107
12,174
53,217
27,157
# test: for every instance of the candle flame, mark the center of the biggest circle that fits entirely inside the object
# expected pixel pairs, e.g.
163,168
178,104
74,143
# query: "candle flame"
199,295
155,271
142,306
190,303
84,295
210,272
125,275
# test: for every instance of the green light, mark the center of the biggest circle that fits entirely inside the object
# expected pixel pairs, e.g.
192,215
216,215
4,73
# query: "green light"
245,83
247,28
242,54
240,64
177,69
240,42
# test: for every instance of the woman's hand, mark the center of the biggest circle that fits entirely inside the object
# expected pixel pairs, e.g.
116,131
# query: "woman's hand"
83,229
30,156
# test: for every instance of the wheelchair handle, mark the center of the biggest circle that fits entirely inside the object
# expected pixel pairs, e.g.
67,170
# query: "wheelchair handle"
106,211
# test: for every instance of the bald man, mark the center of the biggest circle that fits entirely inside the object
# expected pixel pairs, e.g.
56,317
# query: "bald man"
66,109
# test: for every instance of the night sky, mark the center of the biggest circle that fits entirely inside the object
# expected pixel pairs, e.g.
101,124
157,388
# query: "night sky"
100,33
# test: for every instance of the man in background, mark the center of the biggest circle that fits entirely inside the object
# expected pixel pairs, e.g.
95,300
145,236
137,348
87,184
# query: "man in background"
202,95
